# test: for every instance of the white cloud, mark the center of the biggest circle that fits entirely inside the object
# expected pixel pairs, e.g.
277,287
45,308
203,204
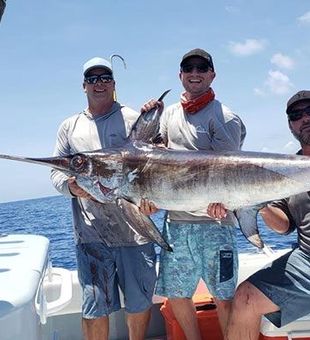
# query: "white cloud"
232,9
249,47
259,92
278,82
291,147
305,18
267,149
282,61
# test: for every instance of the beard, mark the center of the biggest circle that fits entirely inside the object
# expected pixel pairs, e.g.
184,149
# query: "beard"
303,135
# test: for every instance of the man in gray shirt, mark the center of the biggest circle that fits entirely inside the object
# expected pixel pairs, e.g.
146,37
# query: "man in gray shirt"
109,253
202,246
280,292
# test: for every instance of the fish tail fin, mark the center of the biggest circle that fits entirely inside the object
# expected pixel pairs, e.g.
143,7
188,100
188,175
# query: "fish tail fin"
247,218
147,125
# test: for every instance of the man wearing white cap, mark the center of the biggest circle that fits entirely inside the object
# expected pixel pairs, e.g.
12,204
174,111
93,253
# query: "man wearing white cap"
109,254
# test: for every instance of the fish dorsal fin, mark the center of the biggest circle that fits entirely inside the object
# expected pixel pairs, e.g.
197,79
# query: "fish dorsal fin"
147,125
140,223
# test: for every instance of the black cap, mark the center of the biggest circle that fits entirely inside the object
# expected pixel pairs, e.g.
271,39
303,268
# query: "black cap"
300,96
198,52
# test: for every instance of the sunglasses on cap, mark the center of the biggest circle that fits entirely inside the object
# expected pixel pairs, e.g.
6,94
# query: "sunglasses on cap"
200,68
104,78
298,114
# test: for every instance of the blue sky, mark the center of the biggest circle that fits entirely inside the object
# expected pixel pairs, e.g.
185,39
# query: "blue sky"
261,52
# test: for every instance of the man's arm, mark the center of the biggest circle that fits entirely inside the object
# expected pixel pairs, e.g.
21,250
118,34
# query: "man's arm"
62,148
64,184
276,219
227,136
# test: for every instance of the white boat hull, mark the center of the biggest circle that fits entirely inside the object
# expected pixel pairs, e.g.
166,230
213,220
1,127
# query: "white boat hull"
38,303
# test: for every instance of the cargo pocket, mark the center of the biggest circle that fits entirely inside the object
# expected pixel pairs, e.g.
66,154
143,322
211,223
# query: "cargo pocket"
226,265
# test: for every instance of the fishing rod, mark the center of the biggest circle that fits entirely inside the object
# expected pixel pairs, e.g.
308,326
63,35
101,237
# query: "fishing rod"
111,60
2,7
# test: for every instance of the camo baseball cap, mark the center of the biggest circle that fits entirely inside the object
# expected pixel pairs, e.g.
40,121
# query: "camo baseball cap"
97,62
300,96
198,52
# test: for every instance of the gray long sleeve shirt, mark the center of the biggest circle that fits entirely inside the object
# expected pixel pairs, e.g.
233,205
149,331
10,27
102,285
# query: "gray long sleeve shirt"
92,221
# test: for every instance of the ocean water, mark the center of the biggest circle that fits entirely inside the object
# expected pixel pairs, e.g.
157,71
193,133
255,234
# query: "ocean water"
51,217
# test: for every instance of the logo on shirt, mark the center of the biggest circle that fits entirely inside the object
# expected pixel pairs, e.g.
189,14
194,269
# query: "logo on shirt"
201,129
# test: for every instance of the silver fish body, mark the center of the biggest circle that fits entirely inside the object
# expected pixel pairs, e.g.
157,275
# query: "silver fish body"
187,180
190,180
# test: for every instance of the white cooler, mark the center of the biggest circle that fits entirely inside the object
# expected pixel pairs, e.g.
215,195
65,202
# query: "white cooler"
299,330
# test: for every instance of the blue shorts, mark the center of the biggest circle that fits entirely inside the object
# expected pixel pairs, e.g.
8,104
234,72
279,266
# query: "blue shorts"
207,251
103,269
287,284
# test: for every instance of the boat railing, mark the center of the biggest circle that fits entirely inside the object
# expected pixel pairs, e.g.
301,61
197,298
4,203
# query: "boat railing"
50,300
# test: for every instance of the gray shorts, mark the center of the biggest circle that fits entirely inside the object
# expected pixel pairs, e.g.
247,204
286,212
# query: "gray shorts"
207,251
287,284
102,269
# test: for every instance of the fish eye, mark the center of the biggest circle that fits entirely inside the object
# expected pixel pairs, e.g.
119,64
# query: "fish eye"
77,162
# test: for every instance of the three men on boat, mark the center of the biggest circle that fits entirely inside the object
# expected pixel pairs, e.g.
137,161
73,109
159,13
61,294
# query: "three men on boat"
109,257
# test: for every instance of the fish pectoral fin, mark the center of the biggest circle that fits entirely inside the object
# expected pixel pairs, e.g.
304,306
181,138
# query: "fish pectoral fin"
247,218
140,223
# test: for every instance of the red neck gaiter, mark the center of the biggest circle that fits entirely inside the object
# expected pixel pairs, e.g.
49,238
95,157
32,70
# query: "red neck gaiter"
194,105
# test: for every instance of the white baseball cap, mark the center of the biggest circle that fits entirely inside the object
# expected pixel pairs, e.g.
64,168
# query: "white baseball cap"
96,62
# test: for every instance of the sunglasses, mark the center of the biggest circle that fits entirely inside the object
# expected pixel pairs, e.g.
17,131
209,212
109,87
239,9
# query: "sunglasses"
104,78
298,114
200,68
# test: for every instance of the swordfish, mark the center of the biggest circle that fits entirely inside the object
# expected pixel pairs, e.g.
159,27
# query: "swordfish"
182,180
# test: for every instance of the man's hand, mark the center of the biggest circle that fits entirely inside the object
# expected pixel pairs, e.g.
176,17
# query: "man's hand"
76,190
151,104
217,211
147,208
